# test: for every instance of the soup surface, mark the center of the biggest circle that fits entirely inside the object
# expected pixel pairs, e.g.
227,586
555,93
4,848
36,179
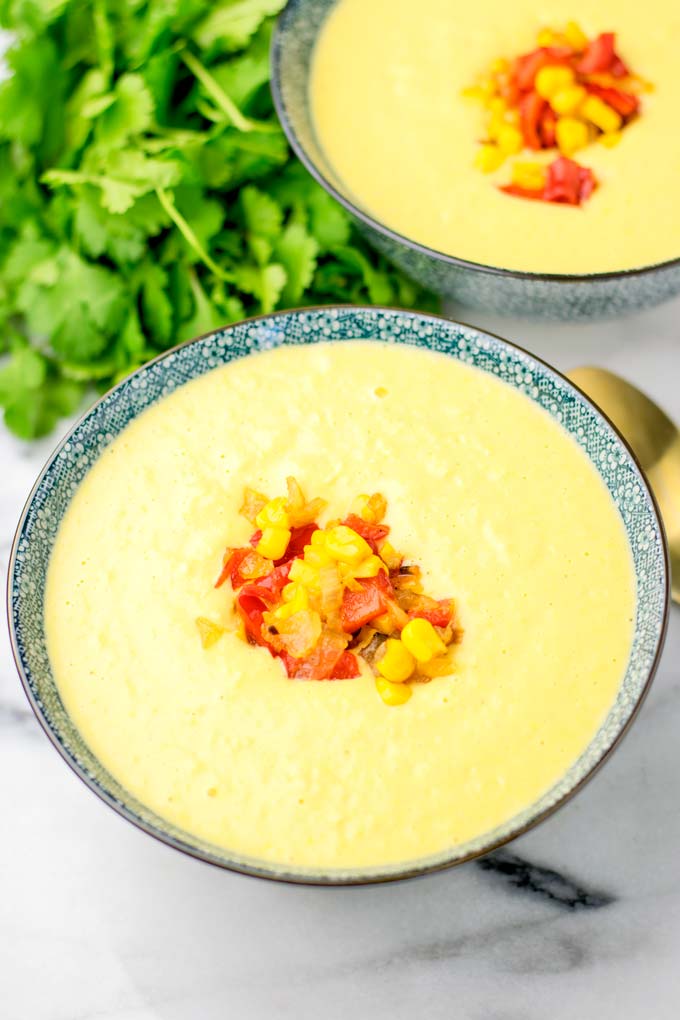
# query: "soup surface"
497,503
386,99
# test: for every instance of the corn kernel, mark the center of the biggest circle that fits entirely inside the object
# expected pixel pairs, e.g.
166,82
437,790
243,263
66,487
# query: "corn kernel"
474,92
370,567
488,158
575,35
343,544
499,66
422,640
551,80
317,556
274,514
396,663
601,115
528,175
546,37
510,140
303,573
209,632
611,139
318,538
274,542
497,106
294,604
488,86
392,694
571,135
292,592
568,100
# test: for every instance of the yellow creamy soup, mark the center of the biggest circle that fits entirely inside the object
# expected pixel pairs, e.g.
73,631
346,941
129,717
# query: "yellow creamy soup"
499,506
386,98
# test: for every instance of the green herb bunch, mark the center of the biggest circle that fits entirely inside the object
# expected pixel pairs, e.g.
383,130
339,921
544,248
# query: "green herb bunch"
147,195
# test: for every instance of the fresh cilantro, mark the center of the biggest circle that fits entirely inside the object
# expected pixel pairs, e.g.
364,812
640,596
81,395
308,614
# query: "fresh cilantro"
148,195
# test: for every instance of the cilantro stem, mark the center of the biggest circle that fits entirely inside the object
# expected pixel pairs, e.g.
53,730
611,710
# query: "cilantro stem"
189,235
226,104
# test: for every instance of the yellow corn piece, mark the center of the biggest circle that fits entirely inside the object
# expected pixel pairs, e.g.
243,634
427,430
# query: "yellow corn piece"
510,140
529,175
546,37
601,115
297,601
611,139
274,542
568,100
274,514
575,35
302,572
422,640
209,632
317,556
370,567
397,663
488,158
571,135
499,66
497,106
294,592
551,80
344,545
392,694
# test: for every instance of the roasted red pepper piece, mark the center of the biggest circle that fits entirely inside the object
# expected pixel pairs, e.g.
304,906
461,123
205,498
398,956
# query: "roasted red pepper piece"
439,615
273,583
346,668
600,55
520,192
360,607
251,607
255,538
299,538
527,67
568,182
531,109
371,533
547,128
230,569
625,103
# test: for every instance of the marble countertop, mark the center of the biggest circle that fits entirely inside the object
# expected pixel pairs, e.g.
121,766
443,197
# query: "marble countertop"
577,920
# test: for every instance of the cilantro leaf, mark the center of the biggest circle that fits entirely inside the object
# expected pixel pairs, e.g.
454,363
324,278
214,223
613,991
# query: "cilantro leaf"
296,250
265,283
232,25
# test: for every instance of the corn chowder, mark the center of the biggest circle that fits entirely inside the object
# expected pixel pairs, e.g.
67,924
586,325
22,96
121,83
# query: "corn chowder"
516,540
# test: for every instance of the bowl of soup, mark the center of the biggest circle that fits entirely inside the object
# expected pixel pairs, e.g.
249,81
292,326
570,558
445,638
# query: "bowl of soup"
378,100
441,513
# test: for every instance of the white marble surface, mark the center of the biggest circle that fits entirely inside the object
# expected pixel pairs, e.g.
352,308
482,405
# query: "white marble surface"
97,920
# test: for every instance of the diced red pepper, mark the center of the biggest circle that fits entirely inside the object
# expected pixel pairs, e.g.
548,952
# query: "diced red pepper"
251,607
321,663
273,583
439,615
568,182
346,668
531,109
547,128
599,55
299,538
618,68
230,569
371,533
520,192
527,67
255,538
360,607
625,103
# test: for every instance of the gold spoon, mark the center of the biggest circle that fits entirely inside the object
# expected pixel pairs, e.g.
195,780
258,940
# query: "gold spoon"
655,441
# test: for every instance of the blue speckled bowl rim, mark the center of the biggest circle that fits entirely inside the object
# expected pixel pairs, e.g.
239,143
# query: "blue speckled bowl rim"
355,876
276,49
